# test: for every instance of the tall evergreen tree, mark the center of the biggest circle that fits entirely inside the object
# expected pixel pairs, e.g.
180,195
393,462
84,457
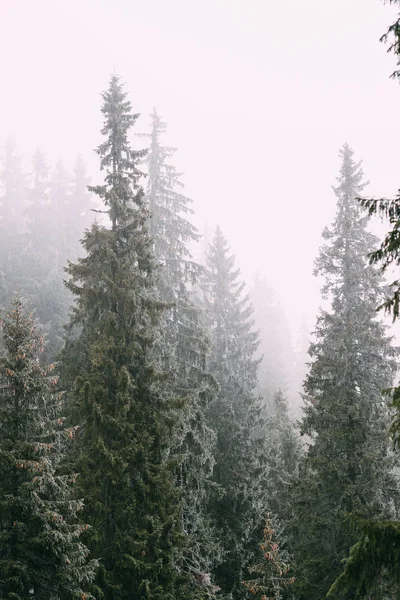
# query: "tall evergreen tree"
235,415
348,468
376,554
123,403
270,576
171,232
41,555
183,346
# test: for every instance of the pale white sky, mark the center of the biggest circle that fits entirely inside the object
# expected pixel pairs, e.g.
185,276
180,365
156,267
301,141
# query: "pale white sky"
258,95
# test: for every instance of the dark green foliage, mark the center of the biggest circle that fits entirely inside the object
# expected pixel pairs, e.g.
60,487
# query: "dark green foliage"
373,563
388,254
348,468
123,403
41,555
392,36
235,415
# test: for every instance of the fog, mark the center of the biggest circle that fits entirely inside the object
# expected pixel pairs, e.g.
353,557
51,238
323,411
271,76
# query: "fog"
187,411
258,97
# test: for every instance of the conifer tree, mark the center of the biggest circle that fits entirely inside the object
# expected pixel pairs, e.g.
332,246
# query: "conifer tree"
183,343
375,556
235,414
125,410
348,469
270,576
183,346
41,555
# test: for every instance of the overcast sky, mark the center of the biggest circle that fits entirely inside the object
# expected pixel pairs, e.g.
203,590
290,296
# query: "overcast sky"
259,95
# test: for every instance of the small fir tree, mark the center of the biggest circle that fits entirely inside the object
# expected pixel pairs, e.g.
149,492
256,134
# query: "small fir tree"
235,414
271,575
41,555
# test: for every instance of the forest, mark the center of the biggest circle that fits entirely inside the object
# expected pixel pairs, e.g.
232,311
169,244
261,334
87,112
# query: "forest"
162,437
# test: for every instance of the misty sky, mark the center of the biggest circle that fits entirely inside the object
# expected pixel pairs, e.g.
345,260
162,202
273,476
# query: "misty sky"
258,95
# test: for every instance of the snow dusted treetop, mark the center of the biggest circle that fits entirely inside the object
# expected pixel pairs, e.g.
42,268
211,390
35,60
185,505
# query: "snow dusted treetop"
348,467
170,228
123,402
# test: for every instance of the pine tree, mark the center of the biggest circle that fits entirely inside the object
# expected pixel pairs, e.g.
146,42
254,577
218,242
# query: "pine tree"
235,415
126,412
348,469
271,574
183,346
41,555
377,551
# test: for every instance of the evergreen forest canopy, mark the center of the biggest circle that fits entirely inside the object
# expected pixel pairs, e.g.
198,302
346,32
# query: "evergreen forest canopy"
148,449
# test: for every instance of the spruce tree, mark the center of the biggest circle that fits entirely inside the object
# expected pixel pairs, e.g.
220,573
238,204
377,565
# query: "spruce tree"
348,469
375,556
235,414
126,412
41,555
183,347
269,577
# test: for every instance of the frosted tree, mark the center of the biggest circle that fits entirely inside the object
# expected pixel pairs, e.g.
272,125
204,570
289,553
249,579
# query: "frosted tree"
41,555
183,346
171,232
235,414
270,576
348,468
119,396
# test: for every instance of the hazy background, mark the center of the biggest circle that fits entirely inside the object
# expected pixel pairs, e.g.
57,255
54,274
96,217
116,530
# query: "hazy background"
258,95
